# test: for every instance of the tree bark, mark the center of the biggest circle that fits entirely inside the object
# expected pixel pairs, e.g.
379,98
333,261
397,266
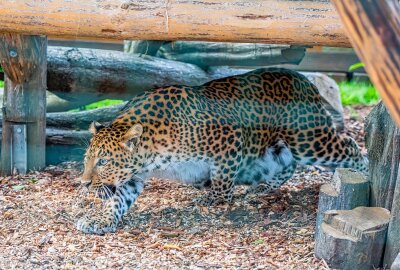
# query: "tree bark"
265,21
383,143
374,30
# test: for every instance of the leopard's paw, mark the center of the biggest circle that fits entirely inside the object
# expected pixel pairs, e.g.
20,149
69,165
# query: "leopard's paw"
96,225
259,189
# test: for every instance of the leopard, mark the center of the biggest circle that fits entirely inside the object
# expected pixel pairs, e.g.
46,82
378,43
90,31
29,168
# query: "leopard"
248,129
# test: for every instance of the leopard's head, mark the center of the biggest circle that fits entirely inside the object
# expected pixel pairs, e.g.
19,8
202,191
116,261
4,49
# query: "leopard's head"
112,157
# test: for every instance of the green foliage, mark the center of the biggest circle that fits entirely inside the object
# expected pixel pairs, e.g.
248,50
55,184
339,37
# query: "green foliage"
1,84
99,104
356,66
358,93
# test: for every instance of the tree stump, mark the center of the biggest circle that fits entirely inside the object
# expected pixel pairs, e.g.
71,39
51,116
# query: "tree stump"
383,143
353,239
350,189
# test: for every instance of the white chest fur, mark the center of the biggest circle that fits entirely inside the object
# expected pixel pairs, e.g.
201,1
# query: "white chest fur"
188,172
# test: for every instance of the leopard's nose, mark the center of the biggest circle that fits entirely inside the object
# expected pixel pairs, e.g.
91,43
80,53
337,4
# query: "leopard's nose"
85,182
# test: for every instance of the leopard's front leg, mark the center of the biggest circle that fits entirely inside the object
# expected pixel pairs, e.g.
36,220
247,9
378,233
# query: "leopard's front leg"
116,207
222,186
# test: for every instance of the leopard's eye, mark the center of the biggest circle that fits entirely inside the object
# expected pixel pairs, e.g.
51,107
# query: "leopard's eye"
102,162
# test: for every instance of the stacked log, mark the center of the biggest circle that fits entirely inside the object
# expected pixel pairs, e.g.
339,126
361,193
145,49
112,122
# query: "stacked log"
250,55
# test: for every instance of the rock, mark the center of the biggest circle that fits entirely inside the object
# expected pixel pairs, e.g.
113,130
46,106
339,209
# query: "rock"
330,93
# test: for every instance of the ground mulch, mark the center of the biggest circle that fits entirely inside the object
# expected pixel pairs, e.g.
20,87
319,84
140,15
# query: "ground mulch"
165,229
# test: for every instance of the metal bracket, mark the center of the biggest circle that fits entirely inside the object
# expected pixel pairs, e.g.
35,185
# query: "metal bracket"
19,149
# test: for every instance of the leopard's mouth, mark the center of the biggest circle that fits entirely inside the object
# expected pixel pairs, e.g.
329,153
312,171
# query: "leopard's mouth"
106,191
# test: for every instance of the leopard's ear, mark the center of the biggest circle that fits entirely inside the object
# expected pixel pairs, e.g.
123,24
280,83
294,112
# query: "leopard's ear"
95,127
132,137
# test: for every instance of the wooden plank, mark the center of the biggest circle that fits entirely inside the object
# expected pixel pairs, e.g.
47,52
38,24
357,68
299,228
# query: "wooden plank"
259,21
23,59
374,30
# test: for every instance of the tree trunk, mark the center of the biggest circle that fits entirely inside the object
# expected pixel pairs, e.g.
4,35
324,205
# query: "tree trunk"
383,143
301,22
374,30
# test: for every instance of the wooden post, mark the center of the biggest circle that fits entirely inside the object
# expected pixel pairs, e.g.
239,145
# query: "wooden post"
353,239
383,143
373,28
24,61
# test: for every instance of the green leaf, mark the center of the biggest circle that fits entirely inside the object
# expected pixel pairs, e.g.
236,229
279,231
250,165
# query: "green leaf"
258,242
32,180
18,187
356,66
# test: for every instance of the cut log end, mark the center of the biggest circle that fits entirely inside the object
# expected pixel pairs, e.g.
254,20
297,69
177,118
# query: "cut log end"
353,239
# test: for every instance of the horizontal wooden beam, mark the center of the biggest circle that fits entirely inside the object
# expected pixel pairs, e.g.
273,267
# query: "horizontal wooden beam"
264,21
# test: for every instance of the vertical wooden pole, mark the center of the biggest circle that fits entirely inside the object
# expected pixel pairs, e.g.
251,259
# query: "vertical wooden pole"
24,60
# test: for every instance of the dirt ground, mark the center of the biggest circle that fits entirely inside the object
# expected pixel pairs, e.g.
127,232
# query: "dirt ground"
164,230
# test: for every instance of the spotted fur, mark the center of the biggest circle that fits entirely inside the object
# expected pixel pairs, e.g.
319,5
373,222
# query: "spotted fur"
247,129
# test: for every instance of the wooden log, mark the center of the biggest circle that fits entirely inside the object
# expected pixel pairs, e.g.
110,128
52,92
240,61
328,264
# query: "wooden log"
353,239
383,143
349,189
82,120
83,76
23,59
147,47
264,21
374,30
205,54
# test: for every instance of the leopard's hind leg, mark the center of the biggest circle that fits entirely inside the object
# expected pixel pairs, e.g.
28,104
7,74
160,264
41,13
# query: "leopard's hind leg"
278,165
328,148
